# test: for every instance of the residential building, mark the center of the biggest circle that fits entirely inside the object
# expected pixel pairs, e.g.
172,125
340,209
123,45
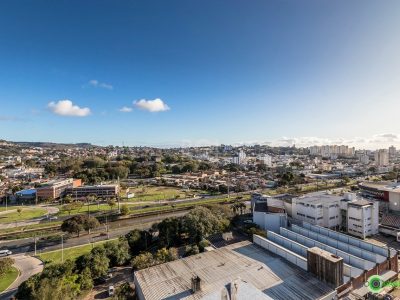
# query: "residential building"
382,157
392,152
265,159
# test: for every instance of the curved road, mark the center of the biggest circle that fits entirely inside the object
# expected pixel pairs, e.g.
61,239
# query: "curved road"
28,266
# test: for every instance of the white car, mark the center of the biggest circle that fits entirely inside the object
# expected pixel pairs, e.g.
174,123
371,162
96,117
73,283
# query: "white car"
5,252
111,290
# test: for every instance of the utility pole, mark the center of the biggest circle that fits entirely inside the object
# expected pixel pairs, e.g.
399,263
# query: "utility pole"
35,244
62,248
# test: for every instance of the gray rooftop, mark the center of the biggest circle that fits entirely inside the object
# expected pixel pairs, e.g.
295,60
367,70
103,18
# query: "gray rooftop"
261,269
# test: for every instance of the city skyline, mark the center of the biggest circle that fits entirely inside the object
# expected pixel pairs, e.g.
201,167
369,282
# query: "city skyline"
190,74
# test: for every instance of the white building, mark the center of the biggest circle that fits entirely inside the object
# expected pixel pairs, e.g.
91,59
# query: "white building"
362,218
382,157
265,159
240,158
318,209
356,215
364,159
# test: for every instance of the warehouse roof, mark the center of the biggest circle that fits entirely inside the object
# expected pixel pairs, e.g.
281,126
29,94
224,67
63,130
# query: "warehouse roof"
216,269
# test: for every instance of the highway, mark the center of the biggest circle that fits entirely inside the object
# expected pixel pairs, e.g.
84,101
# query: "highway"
120,227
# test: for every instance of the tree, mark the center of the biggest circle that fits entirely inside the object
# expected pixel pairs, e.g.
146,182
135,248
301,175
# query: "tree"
5,265
69,207
125,210
199,223
96,261
164,255
112,203
72,226
142,261
192,250
138,240
117,252
19,211
169,231
90,223
78,223
124,292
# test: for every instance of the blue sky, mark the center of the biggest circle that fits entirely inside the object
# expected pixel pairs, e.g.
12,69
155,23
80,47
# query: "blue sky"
284,72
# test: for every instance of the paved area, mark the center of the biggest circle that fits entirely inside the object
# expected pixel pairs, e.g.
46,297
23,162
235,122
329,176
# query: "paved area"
120,276
28,266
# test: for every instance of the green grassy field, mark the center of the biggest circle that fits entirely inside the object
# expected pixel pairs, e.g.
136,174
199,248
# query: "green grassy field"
93,208
8,278
157,193
3,208
26,214
72,253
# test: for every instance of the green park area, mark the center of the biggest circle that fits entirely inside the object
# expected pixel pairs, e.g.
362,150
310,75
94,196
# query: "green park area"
71,253
8,278
160,193
21,213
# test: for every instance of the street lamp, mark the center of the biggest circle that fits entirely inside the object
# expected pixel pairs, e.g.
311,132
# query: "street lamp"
62,248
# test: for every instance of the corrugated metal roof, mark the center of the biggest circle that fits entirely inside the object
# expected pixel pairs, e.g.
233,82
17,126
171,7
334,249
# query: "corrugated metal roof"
262,269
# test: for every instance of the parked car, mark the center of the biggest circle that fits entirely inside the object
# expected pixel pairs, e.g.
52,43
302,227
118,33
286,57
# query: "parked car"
5,252
111,290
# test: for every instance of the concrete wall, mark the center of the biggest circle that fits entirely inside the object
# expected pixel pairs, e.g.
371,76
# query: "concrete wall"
294,258
348,271
366,255
358,263
383,251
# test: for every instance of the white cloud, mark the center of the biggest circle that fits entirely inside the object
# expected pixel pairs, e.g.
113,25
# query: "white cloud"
67,108
125,109
155,105
96,83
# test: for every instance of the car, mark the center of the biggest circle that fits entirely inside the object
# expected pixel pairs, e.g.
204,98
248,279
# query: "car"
111,290
53,218
5,252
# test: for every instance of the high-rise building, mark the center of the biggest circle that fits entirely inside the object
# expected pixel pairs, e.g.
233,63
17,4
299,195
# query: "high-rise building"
382,157
392,152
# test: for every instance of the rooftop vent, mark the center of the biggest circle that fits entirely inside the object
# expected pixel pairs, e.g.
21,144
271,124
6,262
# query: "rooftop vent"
196,284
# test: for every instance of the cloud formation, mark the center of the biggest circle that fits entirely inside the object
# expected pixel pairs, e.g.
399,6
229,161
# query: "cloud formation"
125,109
67,108
155,105
97,84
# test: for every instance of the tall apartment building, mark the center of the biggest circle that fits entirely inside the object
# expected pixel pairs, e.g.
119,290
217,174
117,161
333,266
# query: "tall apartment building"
240,158
103,191
332,150
392,152
381,157
54,189
265,159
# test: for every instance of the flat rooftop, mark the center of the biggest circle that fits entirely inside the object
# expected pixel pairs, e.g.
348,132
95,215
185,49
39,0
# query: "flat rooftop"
319,197
263,270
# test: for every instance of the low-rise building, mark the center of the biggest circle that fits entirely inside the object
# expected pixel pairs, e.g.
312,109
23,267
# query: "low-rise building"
101,191
54,189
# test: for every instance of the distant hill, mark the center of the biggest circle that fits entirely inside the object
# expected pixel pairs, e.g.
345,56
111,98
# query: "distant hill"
53,145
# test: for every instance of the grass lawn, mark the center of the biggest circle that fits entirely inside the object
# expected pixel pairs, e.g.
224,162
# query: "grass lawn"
3,208
93,208
8,278
156,193
69,253
26,214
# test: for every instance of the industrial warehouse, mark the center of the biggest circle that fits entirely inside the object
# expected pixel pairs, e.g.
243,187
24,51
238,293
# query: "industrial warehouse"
299,262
